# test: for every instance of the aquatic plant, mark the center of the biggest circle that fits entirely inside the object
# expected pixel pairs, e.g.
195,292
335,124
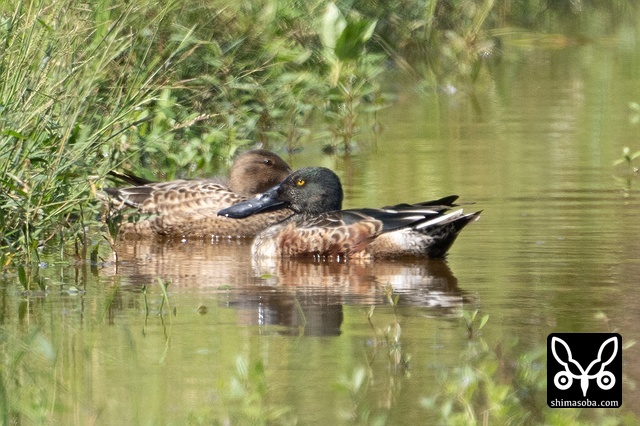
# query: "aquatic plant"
386,341
504,385
627,179
628,158
474,323
247,396
359,411
353,72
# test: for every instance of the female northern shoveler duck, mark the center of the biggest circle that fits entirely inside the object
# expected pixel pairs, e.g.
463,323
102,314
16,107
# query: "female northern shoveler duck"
320,228
187,207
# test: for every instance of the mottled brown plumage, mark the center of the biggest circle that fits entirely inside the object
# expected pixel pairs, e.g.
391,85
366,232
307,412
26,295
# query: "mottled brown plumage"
320,228
188,207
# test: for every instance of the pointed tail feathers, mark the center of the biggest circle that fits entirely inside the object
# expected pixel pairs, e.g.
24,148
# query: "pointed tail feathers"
444,230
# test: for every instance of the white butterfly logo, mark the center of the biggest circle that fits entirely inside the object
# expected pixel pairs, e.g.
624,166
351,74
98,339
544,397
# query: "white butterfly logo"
564,379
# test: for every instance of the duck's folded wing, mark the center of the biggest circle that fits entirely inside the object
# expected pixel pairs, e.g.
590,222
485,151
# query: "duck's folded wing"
402,216
177,196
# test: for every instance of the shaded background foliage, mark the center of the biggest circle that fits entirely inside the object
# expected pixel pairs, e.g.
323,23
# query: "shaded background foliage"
175,90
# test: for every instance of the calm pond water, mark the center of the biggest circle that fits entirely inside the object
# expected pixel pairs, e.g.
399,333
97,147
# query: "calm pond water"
557,249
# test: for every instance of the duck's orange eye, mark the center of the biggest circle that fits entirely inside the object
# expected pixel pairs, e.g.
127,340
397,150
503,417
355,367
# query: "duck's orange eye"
300,182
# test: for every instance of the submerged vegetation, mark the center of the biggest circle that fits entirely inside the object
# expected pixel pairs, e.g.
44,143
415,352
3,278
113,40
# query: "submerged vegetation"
171,90
502,385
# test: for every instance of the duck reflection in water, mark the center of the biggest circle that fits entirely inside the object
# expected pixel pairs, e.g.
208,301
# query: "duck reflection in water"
305,297
297,296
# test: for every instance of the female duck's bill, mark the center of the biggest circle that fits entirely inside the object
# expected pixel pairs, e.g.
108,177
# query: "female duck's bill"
319,227
184,207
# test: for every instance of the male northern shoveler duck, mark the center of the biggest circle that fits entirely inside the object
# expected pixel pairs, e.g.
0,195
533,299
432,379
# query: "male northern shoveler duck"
188,207
320,228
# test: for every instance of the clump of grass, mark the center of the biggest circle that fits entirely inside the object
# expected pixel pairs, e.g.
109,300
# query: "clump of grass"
73,78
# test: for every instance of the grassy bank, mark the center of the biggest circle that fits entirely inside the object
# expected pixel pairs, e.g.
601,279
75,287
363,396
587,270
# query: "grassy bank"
73,81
